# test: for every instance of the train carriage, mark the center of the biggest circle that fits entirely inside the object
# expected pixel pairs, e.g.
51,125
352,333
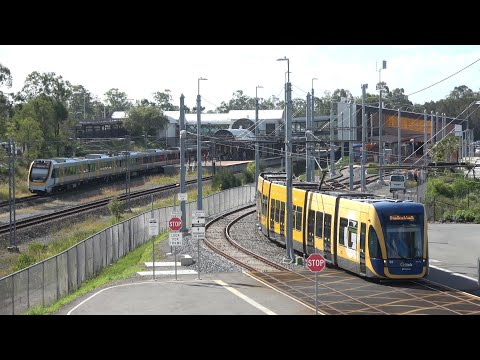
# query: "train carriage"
364,234
50,175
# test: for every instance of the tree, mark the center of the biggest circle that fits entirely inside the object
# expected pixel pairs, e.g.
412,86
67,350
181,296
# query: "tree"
238,102
48,84
144,120
29,136
164,99
117,100
5,103
41,110
116,208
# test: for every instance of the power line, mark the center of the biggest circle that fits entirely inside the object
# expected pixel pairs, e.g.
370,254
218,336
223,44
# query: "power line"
444,79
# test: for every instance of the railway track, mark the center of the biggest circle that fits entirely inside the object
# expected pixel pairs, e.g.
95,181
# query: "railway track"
22,199
340,292
39,219
218,239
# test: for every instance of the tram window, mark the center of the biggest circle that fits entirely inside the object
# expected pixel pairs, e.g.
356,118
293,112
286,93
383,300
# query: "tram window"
272,209
298,218
327,227
352,234
265,205
319,224
277,211
373,245
282,212
311,224
55,173
363,230
343,232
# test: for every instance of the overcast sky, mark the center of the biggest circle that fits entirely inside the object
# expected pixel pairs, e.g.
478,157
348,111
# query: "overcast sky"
140,70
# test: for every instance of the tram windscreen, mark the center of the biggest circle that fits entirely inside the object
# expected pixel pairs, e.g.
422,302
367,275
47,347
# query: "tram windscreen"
39,171
404,241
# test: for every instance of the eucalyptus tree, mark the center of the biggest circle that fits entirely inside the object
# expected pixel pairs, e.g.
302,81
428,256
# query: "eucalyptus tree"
117,100
5,103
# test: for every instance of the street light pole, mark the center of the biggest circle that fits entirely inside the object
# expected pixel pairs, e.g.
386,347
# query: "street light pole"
290,256
199,148
311,153
380,125
364,136
257,150
182,161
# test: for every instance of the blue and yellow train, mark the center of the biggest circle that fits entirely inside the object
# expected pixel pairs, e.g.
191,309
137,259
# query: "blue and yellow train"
365,234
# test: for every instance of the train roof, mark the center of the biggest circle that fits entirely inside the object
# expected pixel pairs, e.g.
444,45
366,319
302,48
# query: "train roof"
281,179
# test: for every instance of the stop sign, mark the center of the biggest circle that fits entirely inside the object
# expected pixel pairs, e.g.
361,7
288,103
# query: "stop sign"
175,223
315,262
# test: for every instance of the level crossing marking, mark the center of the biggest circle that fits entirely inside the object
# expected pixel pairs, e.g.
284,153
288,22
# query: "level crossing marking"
246,298
283,293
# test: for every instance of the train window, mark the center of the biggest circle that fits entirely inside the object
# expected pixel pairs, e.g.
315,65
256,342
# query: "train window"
343,230
373,244
319,224
55,173
277,211
327,227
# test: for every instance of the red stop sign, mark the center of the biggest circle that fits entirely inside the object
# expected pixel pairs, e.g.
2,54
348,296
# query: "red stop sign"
175,223
316,262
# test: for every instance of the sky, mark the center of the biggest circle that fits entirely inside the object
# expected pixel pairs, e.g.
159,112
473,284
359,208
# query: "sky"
141,70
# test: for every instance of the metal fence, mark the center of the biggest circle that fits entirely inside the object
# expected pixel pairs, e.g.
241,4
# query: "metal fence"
46,282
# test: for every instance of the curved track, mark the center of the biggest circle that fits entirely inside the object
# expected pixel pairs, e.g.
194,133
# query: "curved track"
340,292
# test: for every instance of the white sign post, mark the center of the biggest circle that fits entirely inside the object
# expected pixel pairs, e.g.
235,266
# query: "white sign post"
152,232
198,231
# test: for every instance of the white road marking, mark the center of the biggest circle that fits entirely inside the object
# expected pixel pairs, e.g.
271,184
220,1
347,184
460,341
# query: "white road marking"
271,287
110,287
167,272
246,298
453,273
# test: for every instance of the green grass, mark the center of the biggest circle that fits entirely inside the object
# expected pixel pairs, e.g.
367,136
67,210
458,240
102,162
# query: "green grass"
123,268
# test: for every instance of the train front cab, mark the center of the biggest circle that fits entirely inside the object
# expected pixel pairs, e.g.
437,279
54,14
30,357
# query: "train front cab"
402,234
349,235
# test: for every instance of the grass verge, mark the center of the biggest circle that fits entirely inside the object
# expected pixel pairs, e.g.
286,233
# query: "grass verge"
123,268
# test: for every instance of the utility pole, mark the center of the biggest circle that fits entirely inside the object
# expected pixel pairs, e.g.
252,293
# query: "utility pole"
199,148
127,174
290,256
182,161
399,148
308,164
350,146
364,135
312,148
332,151
257,150
11,196
425,140
380,124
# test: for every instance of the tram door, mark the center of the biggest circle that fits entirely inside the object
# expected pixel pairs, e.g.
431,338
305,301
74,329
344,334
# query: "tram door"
363,229
310,232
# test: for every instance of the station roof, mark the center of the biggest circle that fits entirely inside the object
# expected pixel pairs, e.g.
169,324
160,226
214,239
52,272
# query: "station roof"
238,134
225,118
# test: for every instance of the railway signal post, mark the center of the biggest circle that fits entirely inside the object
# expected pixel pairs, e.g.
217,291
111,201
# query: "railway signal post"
316,263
